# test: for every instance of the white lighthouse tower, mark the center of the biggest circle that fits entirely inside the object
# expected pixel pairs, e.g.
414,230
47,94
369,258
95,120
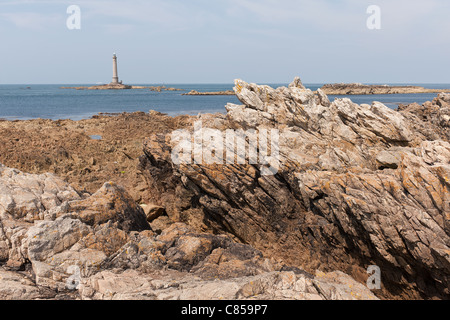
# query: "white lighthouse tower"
115,79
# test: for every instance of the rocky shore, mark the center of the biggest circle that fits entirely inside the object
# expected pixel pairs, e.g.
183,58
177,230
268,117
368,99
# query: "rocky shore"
116,218
56,244
362,89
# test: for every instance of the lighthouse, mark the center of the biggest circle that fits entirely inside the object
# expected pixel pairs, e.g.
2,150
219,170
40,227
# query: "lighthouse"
115,79
115,84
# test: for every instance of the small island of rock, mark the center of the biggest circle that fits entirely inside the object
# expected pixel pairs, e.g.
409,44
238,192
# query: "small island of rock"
124,87
218,93
118,85
362,89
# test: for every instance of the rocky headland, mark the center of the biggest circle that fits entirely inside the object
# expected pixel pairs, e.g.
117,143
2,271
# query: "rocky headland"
116,218
362,89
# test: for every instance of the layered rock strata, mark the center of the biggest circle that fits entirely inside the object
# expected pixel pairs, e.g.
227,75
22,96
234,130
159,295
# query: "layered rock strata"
358,185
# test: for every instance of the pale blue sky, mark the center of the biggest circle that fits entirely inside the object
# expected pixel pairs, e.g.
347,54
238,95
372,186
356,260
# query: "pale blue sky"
216,41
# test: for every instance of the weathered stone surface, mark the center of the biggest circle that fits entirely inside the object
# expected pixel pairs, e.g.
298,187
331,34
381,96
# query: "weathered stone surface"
51,251
89,249
189,250
111,203
339,286
180,248
153,212
26,197
67,232
388,159
16,286
358,185
297,83
431,119
268,286
12,235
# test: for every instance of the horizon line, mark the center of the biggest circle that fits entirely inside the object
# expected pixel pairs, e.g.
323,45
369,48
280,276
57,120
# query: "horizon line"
227,83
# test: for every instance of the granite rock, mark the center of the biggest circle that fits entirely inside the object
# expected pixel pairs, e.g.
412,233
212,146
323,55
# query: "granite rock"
99,248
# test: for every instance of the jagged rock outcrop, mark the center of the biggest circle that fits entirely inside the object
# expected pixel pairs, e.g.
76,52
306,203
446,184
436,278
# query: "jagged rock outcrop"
102,247
26,197
433,116
357,185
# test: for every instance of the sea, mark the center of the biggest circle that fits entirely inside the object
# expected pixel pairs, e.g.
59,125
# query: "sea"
25,102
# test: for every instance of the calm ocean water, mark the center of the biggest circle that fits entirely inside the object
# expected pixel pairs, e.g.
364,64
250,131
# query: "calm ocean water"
23,102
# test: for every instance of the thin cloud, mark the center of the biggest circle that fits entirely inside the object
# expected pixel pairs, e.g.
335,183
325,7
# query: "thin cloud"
165,14
32,20
341,15
318,13
325,39
169,15
120,28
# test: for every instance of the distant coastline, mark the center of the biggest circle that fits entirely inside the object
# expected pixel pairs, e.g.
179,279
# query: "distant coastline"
347,89
123,87
362,89
214,93
50,102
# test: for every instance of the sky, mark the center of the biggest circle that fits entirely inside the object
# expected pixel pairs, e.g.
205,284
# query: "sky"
204,41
